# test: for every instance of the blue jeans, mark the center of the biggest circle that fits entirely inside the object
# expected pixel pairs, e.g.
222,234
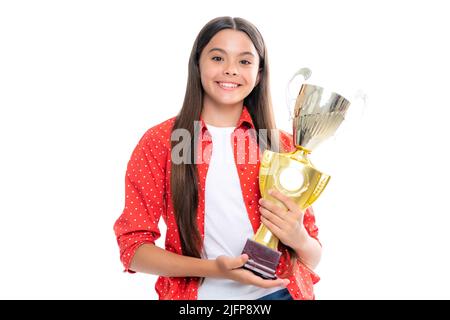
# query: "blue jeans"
282,294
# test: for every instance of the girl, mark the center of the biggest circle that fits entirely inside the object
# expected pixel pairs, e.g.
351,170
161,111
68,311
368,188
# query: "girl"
189,170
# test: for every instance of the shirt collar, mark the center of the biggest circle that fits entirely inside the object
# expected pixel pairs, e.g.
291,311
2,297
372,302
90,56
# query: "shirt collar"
244,119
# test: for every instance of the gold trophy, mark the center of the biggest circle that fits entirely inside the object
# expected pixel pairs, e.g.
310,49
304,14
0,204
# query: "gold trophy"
317,115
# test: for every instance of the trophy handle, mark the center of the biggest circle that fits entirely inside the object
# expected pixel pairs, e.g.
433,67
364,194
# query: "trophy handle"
320,186
306,73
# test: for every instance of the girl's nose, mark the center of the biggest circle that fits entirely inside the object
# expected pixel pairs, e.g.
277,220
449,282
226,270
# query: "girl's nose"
230,69
231,73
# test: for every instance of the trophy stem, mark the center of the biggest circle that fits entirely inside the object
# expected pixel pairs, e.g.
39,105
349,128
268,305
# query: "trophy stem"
265,237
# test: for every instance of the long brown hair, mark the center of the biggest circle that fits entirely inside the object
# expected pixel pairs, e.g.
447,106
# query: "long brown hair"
184,176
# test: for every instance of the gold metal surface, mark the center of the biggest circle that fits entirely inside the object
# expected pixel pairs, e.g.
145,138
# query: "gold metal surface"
280,171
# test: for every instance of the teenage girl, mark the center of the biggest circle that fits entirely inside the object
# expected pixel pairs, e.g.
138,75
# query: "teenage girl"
199,172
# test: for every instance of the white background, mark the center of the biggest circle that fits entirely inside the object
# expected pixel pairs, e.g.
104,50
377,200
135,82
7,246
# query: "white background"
81,81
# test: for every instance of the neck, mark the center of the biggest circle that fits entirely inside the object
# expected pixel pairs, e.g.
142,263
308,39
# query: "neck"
221,115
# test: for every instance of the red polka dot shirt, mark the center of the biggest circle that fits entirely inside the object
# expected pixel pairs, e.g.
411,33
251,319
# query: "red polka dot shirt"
148,197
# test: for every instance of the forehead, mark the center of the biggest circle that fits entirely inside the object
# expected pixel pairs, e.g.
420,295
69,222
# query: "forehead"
232,41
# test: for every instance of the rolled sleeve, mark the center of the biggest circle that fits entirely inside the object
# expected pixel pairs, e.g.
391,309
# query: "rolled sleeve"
144,198
309,221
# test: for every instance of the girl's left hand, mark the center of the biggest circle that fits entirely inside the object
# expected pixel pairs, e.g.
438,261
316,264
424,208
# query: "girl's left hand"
285,224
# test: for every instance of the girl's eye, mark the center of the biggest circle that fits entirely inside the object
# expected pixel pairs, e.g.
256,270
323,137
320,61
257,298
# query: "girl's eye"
218,59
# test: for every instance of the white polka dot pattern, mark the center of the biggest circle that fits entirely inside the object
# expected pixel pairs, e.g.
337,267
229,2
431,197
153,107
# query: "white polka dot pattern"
148,197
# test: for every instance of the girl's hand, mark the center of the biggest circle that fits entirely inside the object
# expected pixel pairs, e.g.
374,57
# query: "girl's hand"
285,224
230,268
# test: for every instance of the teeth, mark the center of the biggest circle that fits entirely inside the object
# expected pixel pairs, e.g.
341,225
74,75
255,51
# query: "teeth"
228,85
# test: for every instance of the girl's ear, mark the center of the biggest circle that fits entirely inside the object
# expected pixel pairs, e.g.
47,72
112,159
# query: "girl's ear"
258,77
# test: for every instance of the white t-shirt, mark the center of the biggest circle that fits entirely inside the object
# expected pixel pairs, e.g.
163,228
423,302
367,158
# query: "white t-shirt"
227,225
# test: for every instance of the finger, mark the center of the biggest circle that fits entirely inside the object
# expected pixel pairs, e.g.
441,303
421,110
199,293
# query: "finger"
264,283
230,263
271,283
238,262
275,219
288,202
273,207
272,227
291,205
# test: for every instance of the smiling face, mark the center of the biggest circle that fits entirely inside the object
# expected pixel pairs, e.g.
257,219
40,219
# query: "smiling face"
229,66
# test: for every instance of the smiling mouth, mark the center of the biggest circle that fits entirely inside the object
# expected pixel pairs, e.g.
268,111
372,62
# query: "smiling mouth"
228,85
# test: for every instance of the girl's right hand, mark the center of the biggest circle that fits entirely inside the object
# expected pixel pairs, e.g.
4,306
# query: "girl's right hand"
230,268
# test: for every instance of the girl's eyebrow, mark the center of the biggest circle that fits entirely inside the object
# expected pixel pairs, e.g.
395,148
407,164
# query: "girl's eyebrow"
224,52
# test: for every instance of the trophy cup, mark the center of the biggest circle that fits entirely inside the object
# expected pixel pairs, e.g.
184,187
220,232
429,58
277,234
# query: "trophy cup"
317,115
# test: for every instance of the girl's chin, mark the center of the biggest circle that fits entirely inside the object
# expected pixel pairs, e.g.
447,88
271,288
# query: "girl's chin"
227,102
228,98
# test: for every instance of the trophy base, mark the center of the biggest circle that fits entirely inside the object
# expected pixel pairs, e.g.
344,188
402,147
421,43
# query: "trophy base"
262,260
